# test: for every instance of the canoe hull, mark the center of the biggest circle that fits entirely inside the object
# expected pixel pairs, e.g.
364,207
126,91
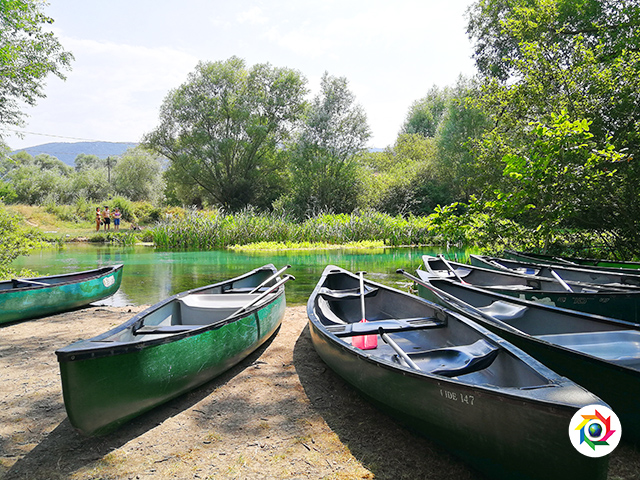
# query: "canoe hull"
118,375
496,434
508,417
103,393
39,301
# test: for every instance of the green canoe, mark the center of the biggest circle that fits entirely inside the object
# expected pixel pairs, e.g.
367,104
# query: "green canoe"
450,379
621,303
169,349
25,298
601,354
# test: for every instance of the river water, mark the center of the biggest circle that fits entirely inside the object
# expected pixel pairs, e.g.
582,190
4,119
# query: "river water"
151,275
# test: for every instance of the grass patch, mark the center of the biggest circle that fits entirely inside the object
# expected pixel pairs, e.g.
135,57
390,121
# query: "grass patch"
268,246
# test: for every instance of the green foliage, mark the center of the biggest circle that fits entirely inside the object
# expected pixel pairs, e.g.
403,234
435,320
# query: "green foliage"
210,230
15,240
138,175
325,176
425,114
222,128
401,180
28,53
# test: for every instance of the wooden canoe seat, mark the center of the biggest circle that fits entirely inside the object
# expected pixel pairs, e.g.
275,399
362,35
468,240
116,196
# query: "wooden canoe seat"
618,346
504,310
456,361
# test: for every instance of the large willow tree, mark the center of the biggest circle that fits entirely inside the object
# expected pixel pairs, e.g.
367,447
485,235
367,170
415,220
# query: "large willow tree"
222,130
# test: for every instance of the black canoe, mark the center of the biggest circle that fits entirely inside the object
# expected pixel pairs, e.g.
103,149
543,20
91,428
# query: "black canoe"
485,400
610,265
568,273
601,354
622,303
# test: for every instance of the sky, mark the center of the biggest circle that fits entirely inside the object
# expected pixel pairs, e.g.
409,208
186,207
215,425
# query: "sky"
130,53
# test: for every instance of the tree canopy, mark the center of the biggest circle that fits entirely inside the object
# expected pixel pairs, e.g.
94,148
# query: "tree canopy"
28,53
222,128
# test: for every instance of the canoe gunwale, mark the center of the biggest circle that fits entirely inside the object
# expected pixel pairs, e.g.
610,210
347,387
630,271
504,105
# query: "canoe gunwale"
99,348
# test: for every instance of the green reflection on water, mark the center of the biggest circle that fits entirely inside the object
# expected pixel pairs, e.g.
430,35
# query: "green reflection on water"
151,275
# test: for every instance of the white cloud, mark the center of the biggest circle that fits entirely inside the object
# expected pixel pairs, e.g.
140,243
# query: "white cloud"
253,16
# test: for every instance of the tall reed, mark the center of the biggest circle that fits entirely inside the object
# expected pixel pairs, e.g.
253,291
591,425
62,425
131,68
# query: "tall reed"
214,229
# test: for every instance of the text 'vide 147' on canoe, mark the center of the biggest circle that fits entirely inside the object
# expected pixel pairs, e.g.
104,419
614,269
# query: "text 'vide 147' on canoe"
169,349
441,373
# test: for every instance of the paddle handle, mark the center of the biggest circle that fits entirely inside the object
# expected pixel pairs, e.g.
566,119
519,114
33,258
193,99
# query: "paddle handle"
275,275
451,269
362,295
398,350
564,284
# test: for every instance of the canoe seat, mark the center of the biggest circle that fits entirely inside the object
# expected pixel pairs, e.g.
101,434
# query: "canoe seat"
618,346
456,361
208,308
345,294
504,310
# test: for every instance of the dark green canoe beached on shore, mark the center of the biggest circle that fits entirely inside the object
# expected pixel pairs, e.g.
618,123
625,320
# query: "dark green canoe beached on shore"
607,301
25,298
601,354
169,349
445,376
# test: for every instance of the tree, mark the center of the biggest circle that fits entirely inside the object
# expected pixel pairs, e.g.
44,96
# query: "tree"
324,171
28,54
425,114
222,129
402,180
138,175
546,59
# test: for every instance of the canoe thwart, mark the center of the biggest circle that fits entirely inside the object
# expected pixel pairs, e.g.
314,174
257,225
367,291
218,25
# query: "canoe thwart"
17,281
372,327
163,329
345,294
456,361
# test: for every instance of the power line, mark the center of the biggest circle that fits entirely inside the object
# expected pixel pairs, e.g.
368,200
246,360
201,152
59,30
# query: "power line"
60,136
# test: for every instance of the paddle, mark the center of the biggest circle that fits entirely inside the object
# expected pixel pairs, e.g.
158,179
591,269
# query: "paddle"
451,269
560,280
364,342
398,350
446,298
270,278
270,289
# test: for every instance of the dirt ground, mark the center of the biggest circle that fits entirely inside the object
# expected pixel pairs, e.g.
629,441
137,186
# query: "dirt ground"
281,413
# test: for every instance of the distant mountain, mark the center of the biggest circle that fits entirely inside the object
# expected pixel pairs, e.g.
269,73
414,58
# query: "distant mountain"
67,152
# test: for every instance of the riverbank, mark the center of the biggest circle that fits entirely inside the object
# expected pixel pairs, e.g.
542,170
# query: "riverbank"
281,413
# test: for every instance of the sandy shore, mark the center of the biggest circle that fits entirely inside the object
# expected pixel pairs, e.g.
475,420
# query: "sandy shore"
281,413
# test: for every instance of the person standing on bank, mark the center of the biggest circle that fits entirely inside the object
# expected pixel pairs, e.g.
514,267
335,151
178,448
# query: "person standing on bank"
116,219
98,219
106,218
